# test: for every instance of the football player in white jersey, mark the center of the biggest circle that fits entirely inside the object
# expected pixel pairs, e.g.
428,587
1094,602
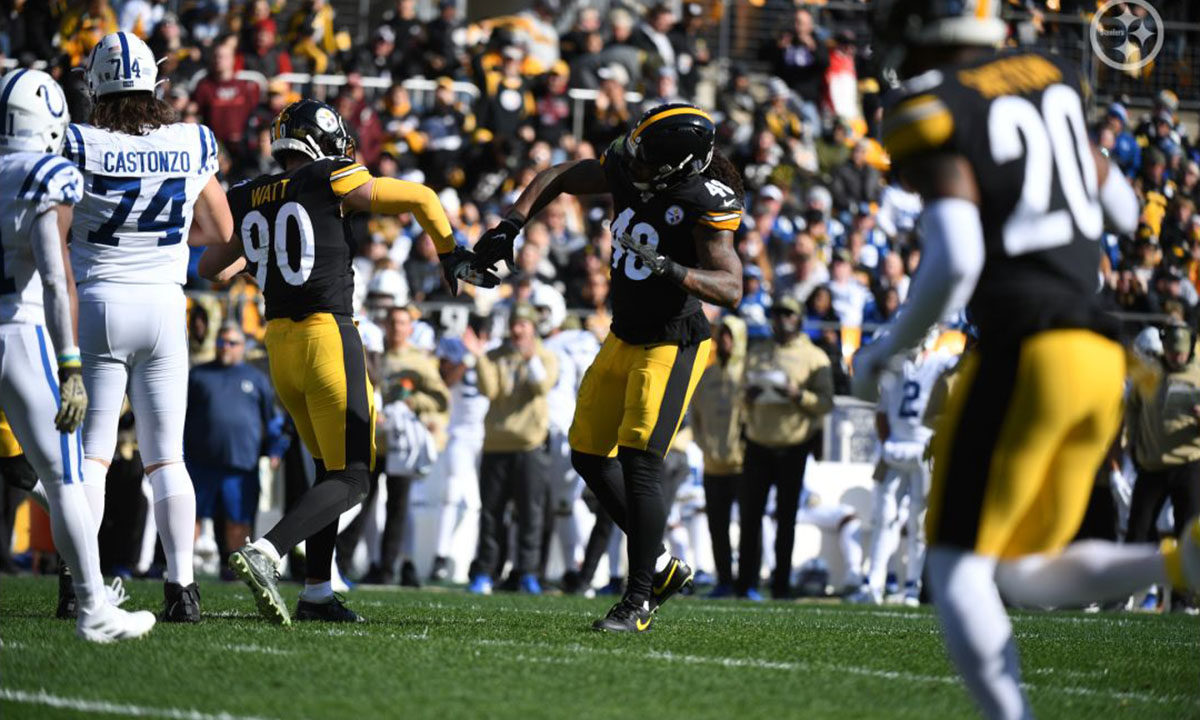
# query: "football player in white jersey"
459,462
41,388
576,349
150,192
903,393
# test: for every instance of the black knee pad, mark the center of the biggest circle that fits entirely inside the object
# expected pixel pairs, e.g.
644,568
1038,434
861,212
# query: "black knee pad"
17,472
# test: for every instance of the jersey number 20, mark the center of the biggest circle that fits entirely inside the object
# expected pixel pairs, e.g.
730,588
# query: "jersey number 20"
258,236
1055,138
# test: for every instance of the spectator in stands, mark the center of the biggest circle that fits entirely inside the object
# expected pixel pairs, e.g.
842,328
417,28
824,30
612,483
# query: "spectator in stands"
506,106
423,270
849,294
574,43
892,275
224,102
756,303
737,104
84,26
515,377
265,56
553,105
311,36
409,34
362,118
444,129
232,421
140,16
377,59
777,116
803,271
443,53
789,388
833,148
717,422
651,37
1125,152
664,88
691,49
611,114
855,181
410,374
800,58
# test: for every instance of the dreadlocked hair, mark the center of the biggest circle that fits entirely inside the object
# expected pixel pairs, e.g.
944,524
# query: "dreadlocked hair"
132,113
722,170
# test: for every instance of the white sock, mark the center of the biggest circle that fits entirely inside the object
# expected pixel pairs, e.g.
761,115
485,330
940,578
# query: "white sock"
95,476
264,546
317,593
38,495
175,517
1085,572
978,632
886,537
75,537
852,552
661,562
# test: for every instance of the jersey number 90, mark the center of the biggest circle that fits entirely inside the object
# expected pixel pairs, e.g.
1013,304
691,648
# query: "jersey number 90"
258,237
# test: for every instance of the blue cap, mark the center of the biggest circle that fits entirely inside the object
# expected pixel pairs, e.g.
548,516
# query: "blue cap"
1118,110
451,349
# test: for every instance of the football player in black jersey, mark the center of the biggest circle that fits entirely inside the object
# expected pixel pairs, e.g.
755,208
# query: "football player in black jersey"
290,234
1015,202
676,206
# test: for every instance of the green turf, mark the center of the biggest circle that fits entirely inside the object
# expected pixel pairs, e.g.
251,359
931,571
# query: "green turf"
447,655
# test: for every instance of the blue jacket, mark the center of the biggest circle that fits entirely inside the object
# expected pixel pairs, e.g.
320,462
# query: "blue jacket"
231,419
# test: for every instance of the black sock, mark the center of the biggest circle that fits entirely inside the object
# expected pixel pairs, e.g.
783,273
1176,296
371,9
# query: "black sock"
320,553
319,507
647,516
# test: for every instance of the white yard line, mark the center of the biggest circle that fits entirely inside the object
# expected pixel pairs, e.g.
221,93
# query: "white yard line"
43,698
256,649
806,667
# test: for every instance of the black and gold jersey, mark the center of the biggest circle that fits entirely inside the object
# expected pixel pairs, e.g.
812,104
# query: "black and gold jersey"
649,309
292,232
1017,116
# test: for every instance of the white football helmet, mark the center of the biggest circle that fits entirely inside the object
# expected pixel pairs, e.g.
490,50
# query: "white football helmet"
33,113
121,62
552,310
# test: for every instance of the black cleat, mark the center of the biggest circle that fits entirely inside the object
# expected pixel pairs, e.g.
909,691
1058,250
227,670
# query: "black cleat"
441,570
67,609
181,604
408,575
333,611
676,576
625,616
262,576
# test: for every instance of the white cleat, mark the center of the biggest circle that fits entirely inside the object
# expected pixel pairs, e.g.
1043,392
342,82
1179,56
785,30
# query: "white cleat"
865,596
110,624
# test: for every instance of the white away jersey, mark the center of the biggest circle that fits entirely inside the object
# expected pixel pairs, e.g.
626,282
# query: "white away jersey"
30,184
903,396
468,407
132,224
576,349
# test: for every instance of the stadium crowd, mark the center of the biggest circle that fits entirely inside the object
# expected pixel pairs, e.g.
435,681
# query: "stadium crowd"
827,238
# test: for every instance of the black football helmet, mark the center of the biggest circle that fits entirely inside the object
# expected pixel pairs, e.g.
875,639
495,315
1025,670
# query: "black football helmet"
668,145
312,128
897,25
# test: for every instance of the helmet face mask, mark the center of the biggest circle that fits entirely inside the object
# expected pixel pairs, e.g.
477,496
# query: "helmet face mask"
898,26
670,144
34,117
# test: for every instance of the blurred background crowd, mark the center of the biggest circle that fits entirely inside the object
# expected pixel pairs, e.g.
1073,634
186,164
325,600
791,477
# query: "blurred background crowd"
473,99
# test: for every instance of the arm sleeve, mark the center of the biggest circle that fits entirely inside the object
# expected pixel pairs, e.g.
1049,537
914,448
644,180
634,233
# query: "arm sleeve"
542,372
48,256
390,196
947,275
817,397
1119,201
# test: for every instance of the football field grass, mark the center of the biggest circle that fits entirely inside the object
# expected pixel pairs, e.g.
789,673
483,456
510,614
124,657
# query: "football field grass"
446,655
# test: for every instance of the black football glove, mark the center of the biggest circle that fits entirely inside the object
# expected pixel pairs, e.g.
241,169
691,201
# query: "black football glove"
658,264
459,264
496,245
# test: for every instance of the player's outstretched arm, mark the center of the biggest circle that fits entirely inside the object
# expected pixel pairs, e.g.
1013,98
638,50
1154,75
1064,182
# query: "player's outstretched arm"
212,221
389,196
718,280
1117,198
578,177
220,263
62,311
952,257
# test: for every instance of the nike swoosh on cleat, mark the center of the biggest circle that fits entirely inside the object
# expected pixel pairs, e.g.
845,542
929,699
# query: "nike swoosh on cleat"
642,627
660,588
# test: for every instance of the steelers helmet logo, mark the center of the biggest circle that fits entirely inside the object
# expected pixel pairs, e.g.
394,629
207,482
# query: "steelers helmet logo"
326,120
674,215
